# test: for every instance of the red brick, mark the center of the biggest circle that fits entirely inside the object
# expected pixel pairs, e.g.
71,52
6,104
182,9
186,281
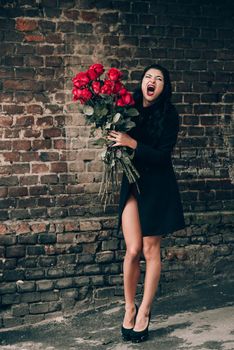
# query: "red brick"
22,145
6,121
66,238
73,189
49,179
29,156
6,97
41,144
24,121
34,109
54,38
5,170
40,168
5,145
71,226
37,38
72,14
11,156
58,167
13,109
45,121
29,180
38,228
25,25
12,133
3,229
22,227
53,132
27,85
6,72
89,16
29,133
49,156
60,144
21,168
3,192
18,191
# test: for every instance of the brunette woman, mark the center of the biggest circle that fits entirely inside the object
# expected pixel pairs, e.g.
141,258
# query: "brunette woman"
155,211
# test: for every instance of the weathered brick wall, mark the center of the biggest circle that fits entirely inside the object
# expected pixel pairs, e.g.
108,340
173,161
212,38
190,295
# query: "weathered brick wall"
57,247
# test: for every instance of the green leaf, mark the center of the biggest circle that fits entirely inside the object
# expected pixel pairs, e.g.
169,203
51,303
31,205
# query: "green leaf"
132,112
88,110
116,117
100,142
108,126
129,125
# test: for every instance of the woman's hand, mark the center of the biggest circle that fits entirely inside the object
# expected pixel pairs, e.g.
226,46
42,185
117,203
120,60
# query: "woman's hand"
121,139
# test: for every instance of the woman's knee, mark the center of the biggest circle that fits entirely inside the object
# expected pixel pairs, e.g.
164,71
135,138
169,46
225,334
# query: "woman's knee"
151,250
133,252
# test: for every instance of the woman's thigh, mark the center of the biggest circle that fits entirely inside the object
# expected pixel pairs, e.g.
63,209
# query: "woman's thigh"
131,223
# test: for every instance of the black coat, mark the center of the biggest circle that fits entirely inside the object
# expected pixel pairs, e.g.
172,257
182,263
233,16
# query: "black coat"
159,202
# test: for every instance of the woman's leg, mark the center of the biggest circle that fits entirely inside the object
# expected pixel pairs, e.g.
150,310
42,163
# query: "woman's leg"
151,250
131,266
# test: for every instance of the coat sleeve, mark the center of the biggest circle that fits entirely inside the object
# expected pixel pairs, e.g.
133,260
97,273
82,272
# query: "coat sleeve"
161,153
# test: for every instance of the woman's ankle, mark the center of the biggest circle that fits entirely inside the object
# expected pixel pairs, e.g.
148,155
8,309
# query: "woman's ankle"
144,310
130,306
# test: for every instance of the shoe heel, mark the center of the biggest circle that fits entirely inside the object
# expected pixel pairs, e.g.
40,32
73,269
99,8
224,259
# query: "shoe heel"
126,332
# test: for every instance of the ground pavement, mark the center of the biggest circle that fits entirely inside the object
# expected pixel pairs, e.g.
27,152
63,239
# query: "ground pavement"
197,319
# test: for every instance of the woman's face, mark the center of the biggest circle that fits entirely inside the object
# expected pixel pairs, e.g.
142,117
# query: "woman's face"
152,86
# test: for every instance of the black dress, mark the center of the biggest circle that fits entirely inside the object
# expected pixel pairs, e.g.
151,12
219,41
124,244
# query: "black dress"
159,202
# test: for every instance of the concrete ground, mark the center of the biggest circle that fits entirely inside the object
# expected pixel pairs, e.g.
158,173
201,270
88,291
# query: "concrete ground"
199,319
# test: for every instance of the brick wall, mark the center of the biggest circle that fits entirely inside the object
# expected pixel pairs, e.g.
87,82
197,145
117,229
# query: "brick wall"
57,247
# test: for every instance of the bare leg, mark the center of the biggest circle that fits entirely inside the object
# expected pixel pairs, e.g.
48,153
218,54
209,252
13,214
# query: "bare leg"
151,250
131,266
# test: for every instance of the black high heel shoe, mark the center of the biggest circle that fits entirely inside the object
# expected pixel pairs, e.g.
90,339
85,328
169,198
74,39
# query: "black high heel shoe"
139,336
126,332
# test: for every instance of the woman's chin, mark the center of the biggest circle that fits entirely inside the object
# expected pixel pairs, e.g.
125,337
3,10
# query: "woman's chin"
149,100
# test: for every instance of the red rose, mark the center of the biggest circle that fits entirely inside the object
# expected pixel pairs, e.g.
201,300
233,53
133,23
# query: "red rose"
114,74
83,95
81,80
98,68
123,91
128,99
125,100
77,94
107,88
117,87
92,74
96,86
120,103
86,95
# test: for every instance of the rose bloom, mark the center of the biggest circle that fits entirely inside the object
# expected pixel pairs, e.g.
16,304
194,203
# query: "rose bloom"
86,95
117,87
83,95
98,68
77,94
107,88
81,80
125,100
92,74
96,86
114,74
123,91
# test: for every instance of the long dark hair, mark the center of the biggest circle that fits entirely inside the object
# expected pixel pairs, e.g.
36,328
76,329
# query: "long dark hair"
153,116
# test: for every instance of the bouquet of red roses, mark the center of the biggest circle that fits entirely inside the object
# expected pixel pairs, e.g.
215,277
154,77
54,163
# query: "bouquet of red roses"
107,104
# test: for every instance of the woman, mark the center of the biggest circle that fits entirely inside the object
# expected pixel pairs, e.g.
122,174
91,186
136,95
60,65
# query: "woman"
157,209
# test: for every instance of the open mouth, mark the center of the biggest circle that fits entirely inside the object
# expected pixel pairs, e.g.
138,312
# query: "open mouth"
150,90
